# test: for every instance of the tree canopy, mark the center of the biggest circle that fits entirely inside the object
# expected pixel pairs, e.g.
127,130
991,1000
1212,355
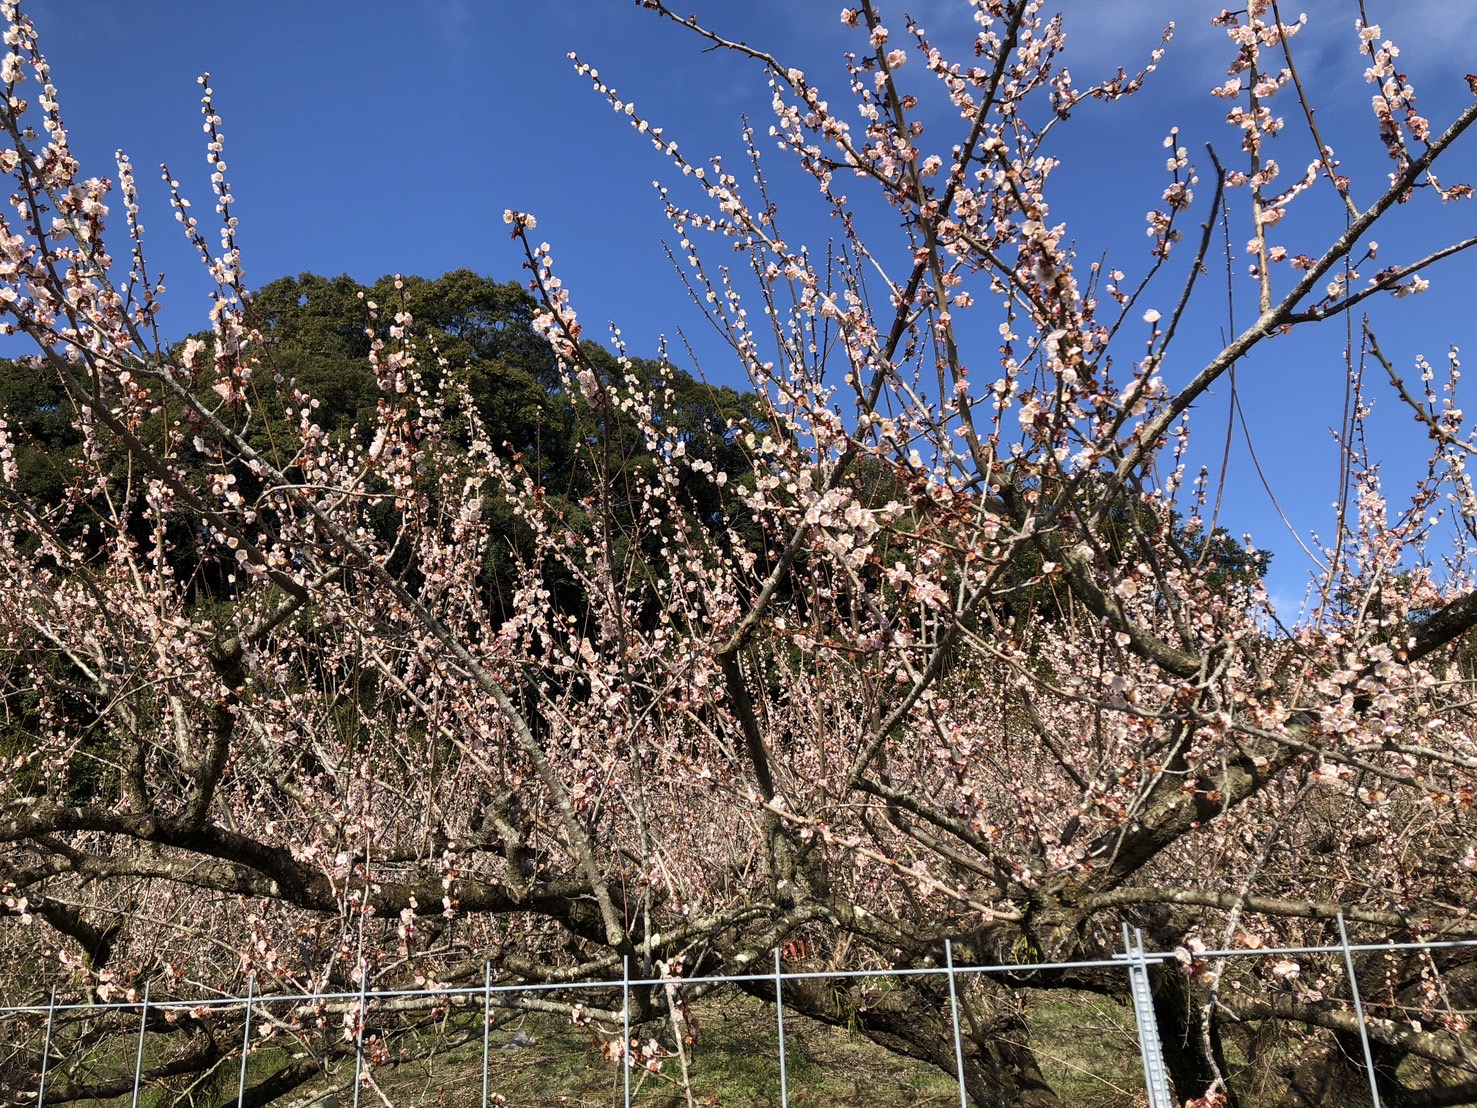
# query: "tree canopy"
381,635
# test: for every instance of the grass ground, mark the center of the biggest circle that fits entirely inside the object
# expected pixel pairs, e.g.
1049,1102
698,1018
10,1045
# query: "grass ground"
734,1061
1085,1044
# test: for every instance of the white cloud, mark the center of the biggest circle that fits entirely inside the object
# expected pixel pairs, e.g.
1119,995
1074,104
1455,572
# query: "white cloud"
1432,34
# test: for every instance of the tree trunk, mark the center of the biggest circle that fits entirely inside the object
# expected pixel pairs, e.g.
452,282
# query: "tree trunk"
1330,1070
912,1017
1181,1031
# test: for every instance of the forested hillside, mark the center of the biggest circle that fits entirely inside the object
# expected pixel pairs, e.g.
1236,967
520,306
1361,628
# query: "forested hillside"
315,372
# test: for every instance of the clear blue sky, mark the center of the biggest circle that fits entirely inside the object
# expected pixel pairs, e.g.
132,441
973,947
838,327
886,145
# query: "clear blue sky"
372,136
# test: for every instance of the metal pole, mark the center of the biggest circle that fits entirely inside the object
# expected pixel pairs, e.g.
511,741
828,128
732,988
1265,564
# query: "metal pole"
626,1026
359,1036
486,1024
1374,1090
1156,1078
779,1016
46,1047
138,1061
245,1042
954,1011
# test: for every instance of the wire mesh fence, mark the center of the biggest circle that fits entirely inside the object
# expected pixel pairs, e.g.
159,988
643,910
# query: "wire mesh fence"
44,1062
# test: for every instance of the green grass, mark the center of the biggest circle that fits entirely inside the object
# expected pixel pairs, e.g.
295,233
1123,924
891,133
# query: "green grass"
733,1061
1087,1047
1085,1044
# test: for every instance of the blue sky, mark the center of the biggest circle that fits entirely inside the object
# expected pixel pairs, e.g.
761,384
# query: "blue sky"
371,137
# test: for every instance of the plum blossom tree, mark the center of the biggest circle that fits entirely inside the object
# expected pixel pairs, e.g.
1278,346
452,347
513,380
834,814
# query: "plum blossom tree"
831,713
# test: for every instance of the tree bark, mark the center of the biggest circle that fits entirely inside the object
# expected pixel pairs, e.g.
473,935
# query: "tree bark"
912,1017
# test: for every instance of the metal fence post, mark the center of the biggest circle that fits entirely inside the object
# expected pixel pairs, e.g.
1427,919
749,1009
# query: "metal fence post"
138,1061
626,1026
1374,1089
1151,1050
46,1048
359,1036
779,1016
954,1010
486,1024
245,1040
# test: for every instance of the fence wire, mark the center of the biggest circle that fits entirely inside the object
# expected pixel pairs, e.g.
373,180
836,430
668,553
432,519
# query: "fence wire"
254,1008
